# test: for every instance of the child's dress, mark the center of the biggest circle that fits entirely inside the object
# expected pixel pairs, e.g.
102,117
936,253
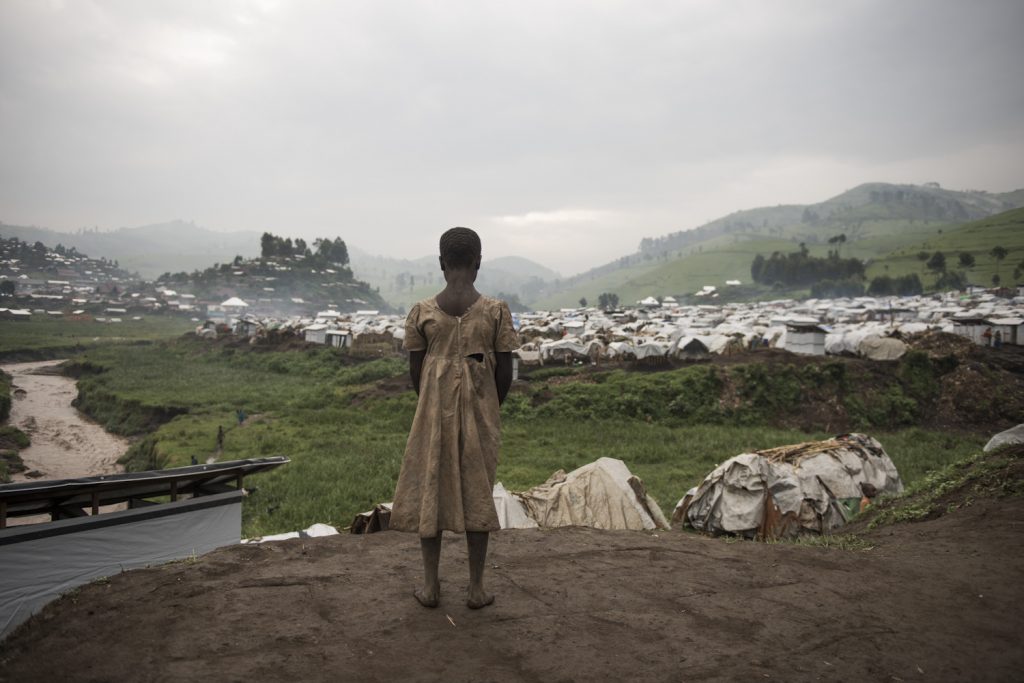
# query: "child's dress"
451,457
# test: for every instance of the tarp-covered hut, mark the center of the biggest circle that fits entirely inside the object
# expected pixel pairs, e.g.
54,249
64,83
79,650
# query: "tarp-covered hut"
791,490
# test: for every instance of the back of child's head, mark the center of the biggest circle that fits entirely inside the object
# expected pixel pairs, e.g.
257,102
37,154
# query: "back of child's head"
460,248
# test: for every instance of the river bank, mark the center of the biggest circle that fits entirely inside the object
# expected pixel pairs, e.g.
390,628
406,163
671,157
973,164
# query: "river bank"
65,443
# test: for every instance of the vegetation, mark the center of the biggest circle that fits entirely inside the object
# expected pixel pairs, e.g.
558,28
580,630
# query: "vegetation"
45,337
344,424
905,285
885,227
958,484
288,272
5,396
799,268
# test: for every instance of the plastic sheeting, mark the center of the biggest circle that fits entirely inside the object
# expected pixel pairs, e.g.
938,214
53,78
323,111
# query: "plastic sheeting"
39,562
1011,436
875,347
602,494
791,490
510,509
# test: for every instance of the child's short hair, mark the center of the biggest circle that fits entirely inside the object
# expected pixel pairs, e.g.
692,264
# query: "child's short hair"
460,247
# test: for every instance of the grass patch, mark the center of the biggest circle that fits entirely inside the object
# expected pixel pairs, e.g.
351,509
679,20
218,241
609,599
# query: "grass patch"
346,438
845,542
13,438
44,338
956,485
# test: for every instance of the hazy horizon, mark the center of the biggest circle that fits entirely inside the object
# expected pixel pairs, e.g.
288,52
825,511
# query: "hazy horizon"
562,133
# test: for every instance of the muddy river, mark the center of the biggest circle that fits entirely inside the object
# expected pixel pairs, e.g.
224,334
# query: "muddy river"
65,443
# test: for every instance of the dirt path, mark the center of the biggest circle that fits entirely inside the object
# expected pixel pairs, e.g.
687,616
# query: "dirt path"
932,601
65,444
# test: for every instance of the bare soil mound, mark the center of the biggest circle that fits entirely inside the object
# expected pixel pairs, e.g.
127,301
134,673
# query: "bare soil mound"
935,600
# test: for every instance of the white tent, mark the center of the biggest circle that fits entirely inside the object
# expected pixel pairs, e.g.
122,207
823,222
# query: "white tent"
236,302
602,494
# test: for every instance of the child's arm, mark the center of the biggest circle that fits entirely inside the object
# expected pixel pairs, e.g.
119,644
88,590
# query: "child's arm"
503,373
416,368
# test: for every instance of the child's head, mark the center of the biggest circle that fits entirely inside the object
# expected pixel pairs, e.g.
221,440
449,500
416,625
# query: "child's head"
460,248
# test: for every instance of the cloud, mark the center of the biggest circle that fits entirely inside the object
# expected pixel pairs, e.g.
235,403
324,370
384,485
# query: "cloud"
387,122
558,216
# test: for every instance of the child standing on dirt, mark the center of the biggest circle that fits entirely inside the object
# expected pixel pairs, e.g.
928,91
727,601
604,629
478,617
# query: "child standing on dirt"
460,359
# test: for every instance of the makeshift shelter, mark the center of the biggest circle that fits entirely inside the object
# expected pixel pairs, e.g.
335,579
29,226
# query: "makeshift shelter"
1011,330
875,347
511,511
791,490
567,350
602,494
1010,437
372,521
808,340
689,348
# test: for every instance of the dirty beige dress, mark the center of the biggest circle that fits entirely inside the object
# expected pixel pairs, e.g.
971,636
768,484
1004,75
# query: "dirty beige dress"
452,454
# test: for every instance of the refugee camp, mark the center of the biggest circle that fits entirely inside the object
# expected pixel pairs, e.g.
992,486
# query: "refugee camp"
481,341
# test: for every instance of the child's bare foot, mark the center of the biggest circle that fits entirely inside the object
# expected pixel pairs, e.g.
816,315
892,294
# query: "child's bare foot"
428,597
479,598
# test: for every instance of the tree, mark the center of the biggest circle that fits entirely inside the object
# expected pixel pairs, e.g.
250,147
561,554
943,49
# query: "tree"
937,263
995,280
966,260
922,256
998,253
756,268
950,280
583,302
267,245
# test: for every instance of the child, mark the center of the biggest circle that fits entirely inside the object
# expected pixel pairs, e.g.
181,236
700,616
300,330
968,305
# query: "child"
460,359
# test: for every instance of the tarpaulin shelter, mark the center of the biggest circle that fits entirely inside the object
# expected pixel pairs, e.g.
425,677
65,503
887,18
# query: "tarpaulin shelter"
603,494
788,491
1010,437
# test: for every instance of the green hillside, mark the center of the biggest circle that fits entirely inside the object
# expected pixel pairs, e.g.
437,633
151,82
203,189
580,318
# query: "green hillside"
876,219
976,238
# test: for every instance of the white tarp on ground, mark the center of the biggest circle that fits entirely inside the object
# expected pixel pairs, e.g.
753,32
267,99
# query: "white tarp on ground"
1011,436
791,490
317,530
875,347
511,513
602,494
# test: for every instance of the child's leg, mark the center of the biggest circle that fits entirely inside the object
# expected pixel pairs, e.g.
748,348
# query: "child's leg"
430,594
476,541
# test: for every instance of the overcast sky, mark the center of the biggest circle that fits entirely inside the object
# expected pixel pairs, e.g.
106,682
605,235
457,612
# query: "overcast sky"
561,131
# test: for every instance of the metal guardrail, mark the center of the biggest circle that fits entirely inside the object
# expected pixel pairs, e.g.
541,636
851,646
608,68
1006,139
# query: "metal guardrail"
68,498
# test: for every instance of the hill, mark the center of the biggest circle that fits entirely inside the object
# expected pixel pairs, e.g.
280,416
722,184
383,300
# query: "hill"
25,263
977,239
151,249
286,280
875,218
402,282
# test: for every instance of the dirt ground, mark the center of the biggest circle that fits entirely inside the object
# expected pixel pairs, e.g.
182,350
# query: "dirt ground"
935,600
